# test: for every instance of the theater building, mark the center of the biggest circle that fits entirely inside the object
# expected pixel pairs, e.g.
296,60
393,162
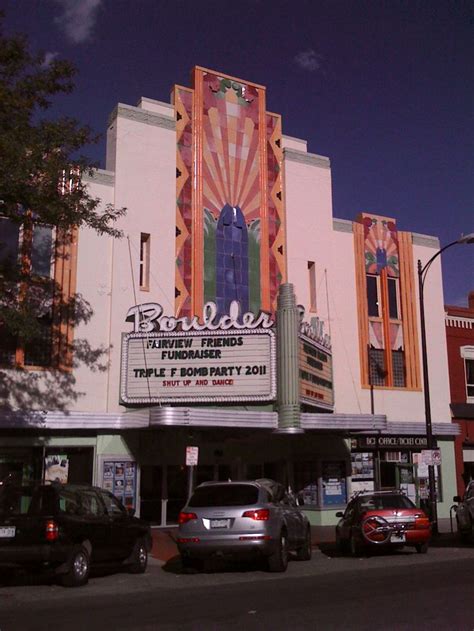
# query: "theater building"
236,315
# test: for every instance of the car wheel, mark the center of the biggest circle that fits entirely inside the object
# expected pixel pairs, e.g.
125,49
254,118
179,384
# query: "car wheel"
278,561
355,546
139,559
78,568
421,548
305,551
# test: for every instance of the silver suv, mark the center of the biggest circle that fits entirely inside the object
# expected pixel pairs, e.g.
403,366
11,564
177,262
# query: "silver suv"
248,518
465,512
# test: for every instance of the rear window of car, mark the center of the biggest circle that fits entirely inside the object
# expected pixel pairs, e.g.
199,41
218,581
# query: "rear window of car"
25,500
383,502
224,495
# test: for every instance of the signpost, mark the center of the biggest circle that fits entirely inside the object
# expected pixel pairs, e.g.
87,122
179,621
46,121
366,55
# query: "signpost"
431,457
192,458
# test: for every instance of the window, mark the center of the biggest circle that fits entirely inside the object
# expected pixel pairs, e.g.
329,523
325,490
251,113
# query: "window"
467,353
386,303
377,370
393,309
113,506
91,504
312,285
373,296
145,242
27,262
470,378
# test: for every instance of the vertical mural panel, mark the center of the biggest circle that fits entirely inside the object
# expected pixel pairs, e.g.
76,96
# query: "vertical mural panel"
183,102
236,232
276,215
383,252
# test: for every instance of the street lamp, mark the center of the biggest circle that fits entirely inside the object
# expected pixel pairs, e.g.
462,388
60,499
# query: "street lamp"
422,271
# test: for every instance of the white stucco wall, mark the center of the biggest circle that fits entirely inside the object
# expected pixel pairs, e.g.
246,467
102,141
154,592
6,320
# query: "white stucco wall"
314,236
142,150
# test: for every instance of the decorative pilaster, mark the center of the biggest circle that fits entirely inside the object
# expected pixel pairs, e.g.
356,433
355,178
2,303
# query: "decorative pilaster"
288,369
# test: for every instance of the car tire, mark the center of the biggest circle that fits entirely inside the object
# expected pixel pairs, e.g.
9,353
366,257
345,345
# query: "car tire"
304,552
421,548
278,561
78,568
355,546
139,558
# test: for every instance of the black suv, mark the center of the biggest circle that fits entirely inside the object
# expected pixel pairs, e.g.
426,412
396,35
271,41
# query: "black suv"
66,528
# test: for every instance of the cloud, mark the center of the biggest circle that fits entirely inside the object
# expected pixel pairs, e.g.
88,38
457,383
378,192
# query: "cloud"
48,58
309,60
77,18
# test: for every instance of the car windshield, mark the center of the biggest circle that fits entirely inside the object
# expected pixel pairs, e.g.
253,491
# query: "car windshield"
382,502
27,500
224,495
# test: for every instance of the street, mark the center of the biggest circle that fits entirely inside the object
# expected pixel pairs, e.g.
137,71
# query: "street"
400,590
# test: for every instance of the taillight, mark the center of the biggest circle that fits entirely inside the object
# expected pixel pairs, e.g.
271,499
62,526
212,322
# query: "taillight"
185,517
422,522
52,530
261,514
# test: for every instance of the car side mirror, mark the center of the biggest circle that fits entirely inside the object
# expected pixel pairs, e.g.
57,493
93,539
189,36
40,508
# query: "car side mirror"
130,511
457,498
339,513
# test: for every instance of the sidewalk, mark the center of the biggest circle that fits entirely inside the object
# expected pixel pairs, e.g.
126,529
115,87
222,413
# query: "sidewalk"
164,546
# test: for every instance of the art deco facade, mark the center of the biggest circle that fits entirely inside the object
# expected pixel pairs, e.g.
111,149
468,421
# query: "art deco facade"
227,216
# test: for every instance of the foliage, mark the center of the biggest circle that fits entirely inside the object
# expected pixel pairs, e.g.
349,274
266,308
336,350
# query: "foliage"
40,163
41,184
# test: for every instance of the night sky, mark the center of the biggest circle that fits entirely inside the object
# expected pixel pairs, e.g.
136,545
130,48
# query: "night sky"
383,87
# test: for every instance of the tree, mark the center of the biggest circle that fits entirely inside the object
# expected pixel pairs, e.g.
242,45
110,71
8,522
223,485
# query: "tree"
43,200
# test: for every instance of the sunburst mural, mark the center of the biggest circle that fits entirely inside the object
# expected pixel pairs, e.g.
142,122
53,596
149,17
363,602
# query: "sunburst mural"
230,237
381,245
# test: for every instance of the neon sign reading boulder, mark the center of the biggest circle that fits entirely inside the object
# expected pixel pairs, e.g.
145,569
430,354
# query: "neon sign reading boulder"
149,318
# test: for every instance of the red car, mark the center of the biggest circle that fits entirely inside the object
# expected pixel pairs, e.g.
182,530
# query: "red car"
381,519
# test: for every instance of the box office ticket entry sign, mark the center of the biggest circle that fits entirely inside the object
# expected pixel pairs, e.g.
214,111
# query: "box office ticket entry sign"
195,366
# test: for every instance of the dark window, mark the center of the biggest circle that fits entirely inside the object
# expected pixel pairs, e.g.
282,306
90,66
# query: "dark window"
372,296
470,377
91,504
225,495
393,299
9,243
113,506
377,368
42,251
29,249
24,500
69,502
398,367
382,502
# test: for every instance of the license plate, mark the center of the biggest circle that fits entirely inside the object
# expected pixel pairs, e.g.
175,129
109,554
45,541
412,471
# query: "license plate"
7,532
398,537
219,523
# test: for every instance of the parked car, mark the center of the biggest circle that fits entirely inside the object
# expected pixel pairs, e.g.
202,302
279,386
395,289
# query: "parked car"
68,528
243,519
465,512
381,519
